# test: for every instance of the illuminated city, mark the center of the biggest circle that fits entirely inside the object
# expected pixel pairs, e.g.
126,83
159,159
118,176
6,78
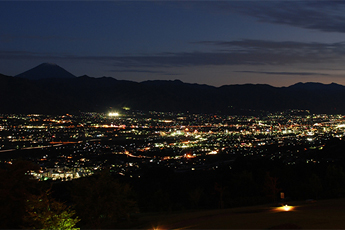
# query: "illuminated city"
72,146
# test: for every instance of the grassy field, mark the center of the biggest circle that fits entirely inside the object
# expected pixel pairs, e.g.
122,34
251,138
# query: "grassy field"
328,214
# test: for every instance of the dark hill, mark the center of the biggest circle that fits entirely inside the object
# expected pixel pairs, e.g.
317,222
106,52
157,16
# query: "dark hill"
317,86
74,94
45,70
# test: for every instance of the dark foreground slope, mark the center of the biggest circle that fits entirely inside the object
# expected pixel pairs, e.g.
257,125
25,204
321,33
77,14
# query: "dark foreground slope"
326,214
60,95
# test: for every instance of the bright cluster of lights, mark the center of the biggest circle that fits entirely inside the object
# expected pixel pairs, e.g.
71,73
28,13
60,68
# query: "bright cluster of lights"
113,114
214,152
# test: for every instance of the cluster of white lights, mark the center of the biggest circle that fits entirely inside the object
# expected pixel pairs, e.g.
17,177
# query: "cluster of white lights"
113,114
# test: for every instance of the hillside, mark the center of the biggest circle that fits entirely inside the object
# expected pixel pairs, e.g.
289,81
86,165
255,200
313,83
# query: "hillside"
325,214
39,90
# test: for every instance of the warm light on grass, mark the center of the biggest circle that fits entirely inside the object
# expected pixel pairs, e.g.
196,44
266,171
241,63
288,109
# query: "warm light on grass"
284,208
287,208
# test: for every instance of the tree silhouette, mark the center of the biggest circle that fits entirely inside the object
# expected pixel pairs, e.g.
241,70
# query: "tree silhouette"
161,200
220,189
16,185
43,212
270,187
101,201
335,180
314,186
195,196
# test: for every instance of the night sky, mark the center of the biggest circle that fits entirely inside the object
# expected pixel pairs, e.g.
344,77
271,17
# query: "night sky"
207,42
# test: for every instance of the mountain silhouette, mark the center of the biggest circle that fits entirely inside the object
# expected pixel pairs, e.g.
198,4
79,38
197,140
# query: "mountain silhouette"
61,94
45,70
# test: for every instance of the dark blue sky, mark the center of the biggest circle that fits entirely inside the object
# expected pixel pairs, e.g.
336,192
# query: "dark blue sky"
209,42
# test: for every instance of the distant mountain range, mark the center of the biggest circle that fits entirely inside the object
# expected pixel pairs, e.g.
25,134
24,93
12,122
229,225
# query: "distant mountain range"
49,88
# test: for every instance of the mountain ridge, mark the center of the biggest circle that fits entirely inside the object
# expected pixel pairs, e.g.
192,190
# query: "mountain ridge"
84,93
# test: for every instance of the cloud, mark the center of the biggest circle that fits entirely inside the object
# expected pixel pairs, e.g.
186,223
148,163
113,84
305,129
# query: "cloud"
325,16
284,73
142,71
268,45
237,52
25,55
135,71
282,52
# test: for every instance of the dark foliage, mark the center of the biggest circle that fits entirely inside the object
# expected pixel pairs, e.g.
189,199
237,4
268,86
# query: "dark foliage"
102,202
25,203
15,187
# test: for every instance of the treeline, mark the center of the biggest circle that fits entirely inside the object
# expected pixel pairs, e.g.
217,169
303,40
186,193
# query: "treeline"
246,182
113,201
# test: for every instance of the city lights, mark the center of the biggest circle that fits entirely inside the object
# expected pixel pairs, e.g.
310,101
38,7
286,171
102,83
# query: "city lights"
196,142
113,114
